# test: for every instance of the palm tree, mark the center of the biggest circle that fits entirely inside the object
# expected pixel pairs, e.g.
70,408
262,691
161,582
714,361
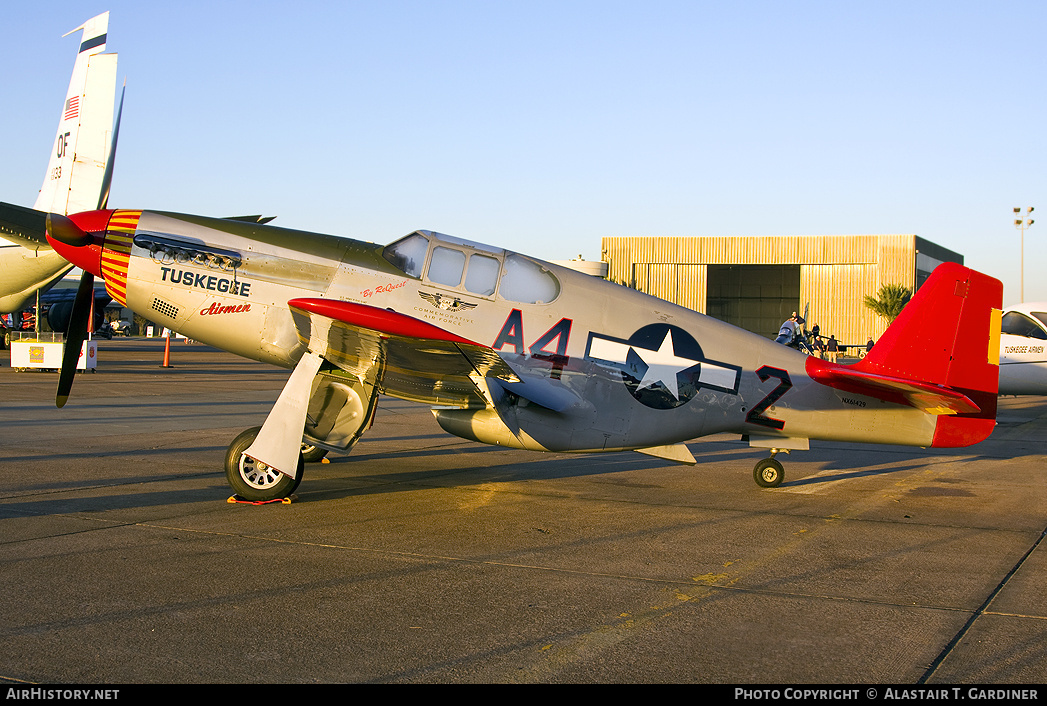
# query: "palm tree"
889,301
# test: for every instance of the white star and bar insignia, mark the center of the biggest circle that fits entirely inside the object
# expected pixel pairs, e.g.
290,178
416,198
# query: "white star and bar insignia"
665,362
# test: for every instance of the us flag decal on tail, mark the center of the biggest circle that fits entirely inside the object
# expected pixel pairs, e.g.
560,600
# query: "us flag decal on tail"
72,108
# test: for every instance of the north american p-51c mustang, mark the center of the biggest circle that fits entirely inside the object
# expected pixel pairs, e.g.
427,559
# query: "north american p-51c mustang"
509,350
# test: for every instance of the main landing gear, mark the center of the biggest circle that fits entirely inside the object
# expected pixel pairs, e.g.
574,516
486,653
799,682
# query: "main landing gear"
769,473
340,409
253,480
257,482
313,453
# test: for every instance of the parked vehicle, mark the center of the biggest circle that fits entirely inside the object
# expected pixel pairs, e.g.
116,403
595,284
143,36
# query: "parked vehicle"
121,327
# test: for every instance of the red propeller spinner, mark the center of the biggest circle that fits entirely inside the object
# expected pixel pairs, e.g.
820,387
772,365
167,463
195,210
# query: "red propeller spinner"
78,238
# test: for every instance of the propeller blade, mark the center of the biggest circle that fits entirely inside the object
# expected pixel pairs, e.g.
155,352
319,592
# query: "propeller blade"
62,229
107,177
75,335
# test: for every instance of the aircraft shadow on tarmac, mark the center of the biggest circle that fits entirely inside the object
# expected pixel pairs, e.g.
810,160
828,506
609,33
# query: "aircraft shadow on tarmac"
355,474
349,475
542,467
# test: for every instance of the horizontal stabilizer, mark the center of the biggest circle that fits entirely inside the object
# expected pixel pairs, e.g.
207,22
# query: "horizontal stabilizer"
927,397
258,218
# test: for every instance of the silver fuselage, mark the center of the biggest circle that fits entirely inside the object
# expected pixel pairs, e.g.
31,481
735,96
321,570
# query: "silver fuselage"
583,342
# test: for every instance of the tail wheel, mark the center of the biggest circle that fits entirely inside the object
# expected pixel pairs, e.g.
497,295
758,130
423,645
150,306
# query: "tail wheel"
255,481
768,473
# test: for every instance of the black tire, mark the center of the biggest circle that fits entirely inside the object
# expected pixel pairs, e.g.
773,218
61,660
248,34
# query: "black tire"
311,453
768,473
255,481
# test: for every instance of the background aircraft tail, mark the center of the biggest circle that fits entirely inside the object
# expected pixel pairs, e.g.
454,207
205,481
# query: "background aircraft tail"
948,335
78,172
78,158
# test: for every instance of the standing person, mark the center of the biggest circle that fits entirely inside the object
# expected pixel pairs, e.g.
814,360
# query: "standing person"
817,342
832,348
868,346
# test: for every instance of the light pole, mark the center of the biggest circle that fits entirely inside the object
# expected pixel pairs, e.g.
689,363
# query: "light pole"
1021,224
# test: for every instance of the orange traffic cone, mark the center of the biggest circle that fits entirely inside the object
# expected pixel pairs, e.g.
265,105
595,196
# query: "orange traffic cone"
167,353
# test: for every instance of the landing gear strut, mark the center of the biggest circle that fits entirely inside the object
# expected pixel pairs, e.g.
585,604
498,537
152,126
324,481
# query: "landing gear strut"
769,473
253,480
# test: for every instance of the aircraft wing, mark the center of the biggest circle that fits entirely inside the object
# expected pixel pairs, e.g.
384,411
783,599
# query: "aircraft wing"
29,263
927,397
23,226
414,359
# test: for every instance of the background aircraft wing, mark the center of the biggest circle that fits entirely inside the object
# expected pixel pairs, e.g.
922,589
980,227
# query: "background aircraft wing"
407,357
23,226
28,263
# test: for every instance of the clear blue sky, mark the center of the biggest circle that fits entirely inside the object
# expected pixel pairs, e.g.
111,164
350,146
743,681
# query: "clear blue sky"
544,126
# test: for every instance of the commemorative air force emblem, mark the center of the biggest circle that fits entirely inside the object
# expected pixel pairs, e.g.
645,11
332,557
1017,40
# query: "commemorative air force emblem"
663,366
446,303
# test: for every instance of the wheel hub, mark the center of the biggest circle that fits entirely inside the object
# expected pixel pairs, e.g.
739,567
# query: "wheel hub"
258,474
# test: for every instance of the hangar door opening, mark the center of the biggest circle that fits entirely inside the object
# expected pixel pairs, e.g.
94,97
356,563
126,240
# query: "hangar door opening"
757,298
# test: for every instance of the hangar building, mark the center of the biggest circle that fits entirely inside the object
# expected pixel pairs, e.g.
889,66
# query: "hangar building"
756,282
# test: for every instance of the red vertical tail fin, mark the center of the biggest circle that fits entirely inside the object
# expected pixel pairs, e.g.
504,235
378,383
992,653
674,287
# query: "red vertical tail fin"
948,335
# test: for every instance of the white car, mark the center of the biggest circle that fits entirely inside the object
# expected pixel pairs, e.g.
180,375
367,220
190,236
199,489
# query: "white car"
121,328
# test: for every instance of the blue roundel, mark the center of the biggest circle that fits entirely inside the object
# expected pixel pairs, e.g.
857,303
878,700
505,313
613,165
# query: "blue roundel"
662,366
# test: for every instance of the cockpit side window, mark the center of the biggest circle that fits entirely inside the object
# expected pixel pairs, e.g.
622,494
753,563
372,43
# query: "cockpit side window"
446,266
516,278
482,275
526,282
408,254
1017,324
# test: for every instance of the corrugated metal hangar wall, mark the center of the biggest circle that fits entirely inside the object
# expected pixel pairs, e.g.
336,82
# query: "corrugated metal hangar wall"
757,282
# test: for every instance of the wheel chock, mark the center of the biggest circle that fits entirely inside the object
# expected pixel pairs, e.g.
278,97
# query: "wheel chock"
237,500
